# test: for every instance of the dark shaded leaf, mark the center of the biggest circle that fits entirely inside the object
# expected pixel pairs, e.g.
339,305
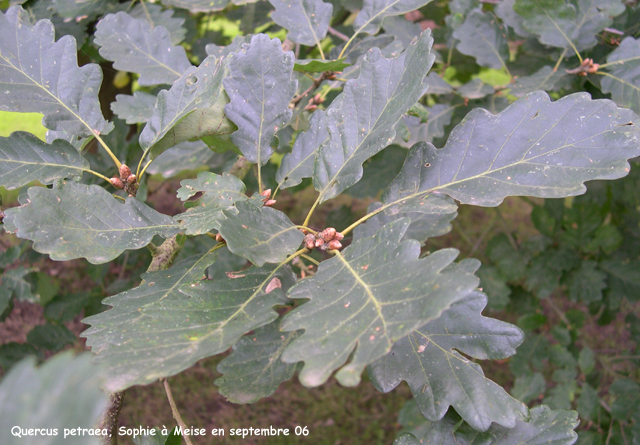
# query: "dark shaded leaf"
440,377
254,369
220,193
563,25
437,85
259,234
134,45
40,75
51,337
134,109
379,171
528,387
233,47
319,66
622,78
360,126
587,283
186,156
197,89
544,79
62,392
484,38
359,47
402,28
366,298
373,12
559,146
85,221
25,158
438,117
260,86
306,20
505,11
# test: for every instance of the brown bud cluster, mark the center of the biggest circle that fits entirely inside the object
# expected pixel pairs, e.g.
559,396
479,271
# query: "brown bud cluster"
328,239
314,102
126,181
267,194
586,67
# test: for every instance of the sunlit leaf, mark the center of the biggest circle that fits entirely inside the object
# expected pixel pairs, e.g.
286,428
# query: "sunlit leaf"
439,376
319,66
85,221
366,298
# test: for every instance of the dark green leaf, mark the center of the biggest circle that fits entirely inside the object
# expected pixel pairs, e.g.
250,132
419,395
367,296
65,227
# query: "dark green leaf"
559,146
588,403
510,262
254,369
319,66
71,9
626,398
379,171
235,46
25,158
555,427
66,306
134,45
587,283
359,47
51,337
366,298
438,117
495,286
563,25
528,387
220,193
14,284
586,360
197,89
505,11
437,85
40,75
173,330
440,377
260,234
64,391
134,109
484,38
11,353
360,127
306,20
622,78
373,12
561,395
545,79
155,16
85,221
260,86
402,28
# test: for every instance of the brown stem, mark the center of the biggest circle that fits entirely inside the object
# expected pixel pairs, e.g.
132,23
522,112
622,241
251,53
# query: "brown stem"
316,83
174,410
110,418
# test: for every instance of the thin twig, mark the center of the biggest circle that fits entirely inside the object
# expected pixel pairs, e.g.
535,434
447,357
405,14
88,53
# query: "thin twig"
557,310
338,34
174,410
510,237
482,236
316,83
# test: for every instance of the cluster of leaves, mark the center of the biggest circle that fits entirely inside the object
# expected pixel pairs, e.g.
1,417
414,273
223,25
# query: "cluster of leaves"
380,303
